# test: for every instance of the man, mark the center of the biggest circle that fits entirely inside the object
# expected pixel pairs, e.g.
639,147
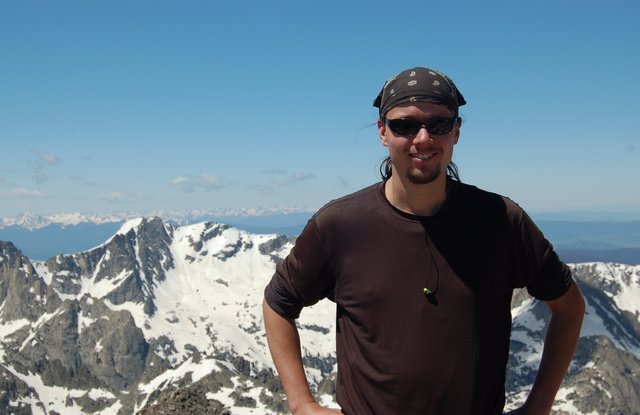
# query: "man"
422,269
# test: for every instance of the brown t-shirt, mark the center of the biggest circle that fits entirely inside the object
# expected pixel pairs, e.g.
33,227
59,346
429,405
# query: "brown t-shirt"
400,351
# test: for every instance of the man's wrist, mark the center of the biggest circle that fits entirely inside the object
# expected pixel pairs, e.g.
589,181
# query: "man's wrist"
301,407
533,407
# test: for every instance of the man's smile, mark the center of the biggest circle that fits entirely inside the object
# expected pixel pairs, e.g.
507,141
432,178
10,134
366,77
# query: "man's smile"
422,156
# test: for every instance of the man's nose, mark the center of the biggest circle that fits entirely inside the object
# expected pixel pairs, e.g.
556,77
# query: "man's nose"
422,135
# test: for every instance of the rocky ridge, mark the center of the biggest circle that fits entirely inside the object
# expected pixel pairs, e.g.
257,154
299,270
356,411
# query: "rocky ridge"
165,319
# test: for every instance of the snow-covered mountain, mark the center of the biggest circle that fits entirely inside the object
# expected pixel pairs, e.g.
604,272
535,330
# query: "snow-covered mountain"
32,222
41,237
170,316
29,221
604,375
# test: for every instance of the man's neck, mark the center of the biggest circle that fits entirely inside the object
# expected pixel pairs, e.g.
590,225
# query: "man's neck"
416,199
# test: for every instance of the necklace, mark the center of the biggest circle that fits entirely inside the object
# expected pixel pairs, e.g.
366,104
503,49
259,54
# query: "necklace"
429,293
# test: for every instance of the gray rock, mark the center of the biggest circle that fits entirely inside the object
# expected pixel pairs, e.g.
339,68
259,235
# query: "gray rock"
115,351
86,343
190,400
23,293
608,379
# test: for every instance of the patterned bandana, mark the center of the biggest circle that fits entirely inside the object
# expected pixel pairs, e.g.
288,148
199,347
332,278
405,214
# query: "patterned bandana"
419,84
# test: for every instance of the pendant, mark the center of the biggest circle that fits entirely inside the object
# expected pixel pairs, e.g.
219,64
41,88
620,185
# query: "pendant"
431,296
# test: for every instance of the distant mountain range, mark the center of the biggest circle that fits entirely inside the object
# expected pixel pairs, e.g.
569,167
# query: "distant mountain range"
41,237
31,222
162,318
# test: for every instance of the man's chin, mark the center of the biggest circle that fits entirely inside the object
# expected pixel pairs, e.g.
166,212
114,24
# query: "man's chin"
423,177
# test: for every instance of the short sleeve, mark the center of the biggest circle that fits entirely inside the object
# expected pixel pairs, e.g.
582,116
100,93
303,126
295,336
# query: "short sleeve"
538,267
303,278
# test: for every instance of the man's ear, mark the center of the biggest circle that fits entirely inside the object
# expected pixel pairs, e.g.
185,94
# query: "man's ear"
382,132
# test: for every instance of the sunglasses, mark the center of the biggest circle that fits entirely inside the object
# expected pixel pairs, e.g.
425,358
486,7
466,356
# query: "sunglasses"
408,126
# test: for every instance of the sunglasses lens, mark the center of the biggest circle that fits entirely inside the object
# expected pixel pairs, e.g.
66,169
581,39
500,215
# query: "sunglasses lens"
406,126
440,125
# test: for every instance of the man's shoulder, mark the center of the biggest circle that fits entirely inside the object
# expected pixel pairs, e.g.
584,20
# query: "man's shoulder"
362,196
352,205
485,201
471,190
470,193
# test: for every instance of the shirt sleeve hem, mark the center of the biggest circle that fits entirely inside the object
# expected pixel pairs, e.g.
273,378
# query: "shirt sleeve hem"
286,312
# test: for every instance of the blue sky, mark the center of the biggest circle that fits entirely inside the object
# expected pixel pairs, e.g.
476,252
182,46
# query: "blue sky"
110,106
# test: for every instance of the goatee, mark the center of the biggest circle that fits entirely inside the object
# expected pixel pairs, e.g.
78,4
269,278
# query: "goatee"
423,177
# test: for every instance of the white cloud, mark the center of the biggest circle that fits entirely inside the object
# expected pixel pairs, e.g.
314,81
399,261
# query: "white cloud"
40,178
41,162
343,182
262,190
8,190
274,171
45,159
49,158
293,178
21,193
82,181
199,182
301,177
113,196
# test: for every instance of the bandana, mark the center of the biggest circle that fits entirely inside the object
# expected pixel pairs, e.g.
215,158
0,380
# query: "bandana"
419,84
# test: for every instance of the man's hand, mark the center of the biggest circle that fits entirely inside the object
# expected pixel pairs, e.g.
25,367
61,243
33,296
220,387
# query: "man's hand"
559,345
313,408
284,345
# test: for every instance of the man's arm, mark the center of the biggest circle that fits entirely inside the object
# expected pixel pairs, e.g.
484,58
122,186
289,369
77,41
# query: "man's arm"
560,344
284,345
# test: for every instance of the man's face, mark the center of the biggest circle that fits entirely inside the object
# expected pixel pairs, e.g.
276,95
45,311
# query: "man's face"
422,157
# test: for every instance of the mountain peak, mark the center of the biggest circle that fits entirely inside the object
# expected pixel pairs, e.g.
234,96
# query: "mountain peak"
8,250
159,308
26,220
140,224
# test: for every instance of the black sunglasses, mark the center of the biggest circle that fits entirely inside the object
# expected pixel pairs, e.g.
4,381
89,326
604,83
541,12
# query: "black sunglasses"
408,126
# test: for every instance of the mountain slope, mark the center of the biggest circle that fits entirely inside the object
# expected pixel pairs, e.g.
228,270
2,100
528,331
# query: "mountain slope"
160,315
